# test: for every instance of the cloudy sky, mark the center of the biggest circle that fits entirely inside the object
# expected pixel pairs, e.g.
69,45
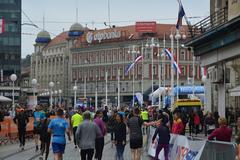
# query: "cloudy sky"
60,14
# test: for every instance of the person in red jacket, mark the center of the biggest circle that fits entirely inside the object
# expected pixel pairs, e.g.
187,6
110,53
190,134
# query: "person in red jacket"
196,123
178,125
223,133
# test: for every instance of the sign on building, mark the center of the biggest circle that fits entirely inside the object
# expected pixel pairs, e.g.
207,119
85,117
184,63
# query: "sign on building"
102,35
146,27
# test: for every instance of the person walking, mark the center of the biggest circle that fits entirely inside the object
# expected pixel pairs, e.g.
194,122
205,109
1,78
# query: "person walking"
86,134
191,123
21,120
145,118
163,133
99,145
38,116
197,123
223,133
75,121
111,125
45,137
58,127
120,136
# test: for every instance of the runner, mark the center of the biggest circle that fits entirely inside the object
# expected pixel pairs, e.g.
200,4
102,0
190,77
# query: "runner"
99,145
120,136
136,138
38,117
86,134
45,137
76,120
21,121
57,127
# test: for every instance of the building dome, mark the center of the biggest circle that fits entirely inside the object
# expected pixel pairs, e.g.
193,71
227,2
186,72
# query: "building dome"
76,30
43,37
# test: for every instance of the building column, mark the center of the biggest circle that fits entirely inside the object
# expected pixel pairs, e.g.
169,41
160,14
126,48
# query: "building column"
208,98
221,99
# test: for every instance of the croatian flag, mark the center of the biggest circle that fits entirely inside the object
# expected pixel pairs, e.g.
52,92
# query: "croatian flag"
175,65
130,66
181,14
203,71
2,25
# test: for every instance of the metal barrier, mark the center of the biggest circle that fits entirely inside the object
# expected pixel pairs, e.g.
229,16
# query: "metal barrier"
218,150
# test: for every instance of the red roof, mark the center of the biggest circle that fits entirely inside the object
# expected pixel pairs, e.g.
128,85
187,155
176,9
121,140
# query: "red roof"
59,39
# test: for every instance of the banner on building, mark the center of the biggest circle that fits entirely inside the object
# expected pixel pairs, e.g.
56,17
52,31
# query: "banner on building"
2,25
181,148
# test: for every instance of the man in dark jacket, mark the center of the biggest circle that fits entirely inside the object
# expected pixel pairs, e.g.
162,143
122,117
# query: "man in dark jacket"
21,121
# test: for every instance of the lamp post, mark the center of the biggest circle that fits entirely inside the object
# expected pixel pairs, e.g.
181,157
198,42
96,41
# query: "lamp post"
51,85
60,97
55,99
13,78
34,83
159,76
75,95
96,95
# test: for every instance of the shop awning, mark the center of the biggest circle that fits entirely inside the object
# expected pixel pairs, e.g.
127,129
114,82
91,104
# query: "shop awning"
235,91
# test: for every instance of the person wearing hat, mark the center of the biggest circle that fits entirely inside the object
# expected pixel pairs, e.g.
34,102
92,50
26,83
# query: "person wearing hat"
21,121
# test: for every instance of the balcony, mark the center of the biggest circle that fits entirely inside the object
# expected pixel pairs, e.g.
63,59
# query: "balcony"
211,22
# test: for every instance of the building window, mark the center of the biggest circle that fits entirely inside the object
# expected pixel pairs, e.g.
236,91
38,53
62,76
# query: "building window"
183,70
182,55
154,70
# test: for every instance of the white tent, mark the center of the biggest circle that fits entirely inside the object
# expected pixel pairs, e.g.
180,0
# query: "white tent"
235,91
5,99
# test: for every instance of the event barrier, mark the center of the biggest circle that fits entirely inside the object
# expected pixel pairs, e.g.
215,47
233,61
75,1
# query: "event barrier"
184,148
9,131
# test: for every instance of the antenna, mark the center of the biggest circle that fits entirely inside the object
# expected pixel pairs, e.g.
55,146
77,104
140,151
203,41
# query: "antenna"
109,21
77,11
43,21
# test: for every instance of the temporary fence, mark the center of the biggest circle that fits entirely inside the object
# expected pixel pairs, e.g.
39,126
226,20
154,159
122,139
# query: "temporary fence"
9,131
189,148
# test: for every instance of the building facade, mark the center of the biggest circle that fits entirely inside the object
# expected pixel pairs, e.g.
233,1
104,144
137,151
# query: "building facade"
102,53
50,63
10,45
216,42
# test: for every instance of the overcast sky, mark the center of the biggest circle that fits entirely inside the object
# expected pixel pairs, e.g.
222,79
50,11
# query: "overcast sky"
60,14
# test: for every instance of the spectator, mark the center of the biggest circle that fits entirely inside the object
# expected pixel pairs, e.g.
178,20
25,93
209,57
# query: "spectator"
191,123
178,126
216,117
223,133
209,124
111,125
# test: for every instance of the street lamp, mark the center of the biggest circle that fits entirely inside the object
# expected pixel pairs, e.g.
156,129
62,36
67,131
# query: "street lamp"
34,83
75,95
60,96
55,99
13,78
51,85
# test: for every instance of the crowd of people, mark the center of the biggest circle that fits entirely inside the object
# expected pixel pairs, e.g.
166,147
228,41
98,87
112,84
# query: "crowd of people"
89,129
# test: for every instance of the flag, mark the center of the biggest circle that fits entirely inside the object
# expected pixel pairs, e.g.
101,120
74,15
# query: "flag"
203,71
181,14
2,25
131,65
175,65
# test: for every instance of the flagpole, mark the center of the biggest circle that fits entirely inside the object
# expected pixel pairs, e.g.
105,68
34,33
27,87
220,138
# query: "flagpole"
133,81
96,95
163,63
152,45
172,71
193,80
118,78
177,36
142,68
159,77
106,93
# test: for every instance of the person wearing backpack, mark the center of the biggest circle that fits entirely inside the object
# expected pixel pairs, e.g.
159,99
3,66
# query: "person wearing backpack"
45,137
